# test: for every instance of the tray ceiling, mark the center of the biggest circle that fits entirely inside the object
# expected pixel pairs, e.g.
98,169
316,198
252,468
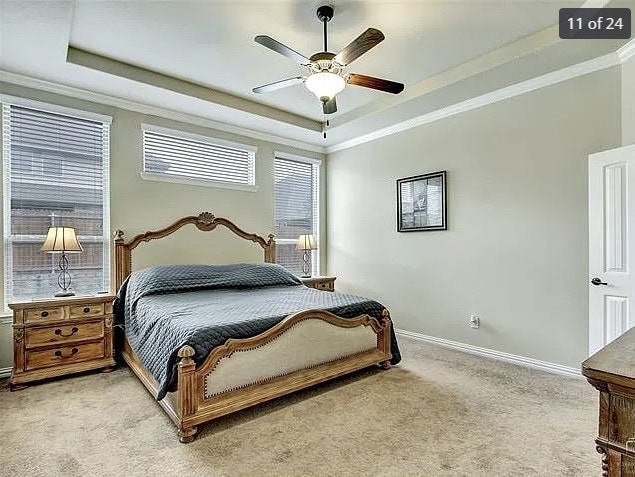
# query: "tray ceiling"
210,44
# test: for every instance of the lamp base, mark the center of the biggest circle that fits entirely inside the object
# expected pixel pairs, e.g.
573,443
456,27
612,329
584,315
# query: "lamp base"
64,278
64,293
306,268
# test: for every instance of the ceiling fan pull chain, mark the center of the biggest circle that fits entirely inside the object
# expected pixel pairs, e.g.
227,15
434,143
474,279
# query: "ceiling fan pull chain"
325,124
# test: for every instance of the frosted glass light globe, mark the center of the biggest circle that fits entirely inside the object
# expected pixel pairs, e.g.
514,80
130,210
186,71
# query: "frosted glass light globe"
325,85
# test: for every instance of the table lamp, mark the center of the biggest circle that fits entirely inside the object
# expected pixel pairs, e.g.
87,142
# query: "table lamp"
64,240
306,242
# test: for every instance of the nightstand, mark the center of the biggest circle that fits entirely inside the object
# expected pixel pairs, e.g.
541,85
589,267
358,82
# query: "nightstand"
61,336
320,283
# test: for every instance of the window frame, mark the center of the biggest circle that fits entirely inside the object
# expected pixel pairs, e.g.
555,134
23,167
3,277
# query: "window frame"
6,101
179,134
316,258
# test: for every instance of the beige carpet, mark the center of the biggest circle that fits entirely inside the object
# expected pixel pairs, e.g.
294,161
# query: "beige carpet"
441,413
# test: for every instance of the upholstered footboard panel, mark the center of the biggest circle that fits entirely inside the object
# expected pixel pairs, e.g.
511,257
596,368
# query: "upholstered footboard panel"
306,344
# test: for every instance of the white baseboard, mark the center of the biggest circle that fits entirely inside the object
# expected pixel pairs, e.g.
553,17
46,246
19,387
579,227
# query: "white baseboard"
5,372
491,353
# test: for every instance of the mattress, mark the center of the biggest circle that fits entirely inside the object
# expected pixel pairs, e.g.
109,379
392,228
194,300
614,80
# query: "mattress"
163,308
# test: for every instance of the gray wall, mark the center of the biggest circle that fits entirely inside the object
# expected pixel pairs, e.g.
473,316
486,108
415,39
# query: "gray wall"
516,249
628,102
137,205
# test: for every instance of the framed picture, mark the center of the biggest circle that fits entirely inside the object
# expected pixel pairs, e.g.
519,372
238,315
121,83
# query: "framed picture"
421,203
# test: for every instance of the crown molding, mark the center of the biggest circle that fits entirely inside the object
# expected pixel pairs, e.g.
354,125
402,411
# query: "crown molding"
108,100
596,64
555,77
627,51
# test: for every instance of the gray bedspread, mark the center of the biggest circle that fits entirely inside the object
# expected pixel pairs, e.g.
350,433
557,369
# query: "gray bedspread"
164,308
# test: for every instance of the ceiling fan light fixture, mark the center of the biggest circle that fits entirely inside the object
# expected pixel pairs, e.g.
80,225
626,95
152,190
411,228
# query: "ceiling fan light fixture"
325,86
328,71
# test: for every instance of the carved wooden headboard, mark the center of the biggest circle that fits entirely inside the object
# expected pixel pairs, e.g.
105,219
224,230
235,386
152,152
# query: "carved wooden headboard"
205,221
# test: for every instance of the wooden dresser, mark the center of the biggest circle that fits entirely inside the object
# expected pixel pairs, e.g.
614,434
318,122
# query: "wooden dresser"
612,372
61,336
320,283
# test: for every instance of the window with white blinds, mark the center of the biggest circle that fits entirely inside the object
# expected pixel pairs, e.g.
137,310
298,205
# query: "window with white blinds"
296,210
55,168
177,156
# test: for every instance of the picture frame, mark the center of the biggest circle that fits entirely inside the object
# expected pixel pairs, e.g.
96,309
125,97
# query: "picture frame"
422,202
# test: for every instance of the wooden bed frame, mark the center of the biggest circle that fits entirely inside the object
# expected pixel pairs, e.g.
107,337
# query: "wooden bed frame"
193,403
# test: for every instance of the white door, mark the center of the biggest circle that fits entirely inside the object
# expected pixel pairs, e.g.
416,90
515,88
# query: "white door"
611,245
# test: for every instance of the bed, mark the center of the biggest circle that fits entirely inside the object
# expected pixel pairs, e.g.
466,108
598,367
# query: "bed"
207,340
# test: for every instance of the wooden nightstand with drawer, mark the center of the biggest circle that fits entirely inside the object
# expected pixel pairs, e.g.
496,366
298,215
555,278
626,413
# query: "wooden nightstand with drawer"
320,283
61,336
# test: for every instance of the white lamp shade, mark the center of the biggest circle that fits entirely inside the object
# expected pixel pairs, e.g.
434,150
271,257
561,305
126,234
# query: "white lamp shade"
325,85
307,242
61,239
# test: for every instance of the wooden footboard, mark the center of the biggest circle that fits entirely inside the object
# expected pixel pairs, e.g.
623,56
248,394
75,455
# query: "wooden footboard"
304,349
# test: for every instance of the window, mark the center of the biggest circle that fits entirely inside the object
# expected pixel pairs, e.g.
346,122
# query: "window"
55,166
296,209
176,156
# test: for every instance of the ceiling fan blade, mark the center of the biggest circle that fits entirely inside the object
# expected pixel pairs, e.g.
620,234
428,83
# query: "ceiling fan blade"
359,46
330,106
375,83
267,88
284,50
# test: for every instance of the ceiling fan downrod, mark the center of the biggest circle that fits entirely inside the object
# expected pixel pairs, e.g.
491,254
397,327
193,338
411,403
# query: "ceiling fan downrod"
325,14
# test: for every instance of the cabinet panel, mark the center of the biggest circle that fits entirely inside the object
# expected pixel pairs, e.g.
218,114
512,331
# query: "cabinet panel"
621,419
628,467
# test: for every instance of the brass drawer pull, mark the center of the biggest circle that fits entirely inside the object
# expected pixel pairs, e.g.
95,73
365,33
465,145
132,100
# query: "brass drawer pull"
44,314
86,310
74,330
73,352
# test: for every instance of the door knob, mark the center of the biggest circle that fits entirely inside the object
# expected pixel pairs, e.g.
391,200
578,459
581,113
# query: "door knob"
596,281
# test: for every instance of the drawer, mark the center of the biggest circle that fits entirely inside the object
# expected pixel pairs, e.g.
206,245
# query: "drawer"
328,286
64,355
95,309
71,332
38,314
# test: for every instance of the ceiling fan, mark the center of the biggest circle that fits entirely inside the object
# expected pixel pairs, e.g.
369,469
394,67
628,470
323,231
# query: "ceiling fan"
327,76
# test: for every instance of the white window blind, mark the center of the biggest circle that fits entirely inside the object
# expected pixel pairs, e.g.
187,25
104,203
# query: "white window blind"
181,157
296,210
56,172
